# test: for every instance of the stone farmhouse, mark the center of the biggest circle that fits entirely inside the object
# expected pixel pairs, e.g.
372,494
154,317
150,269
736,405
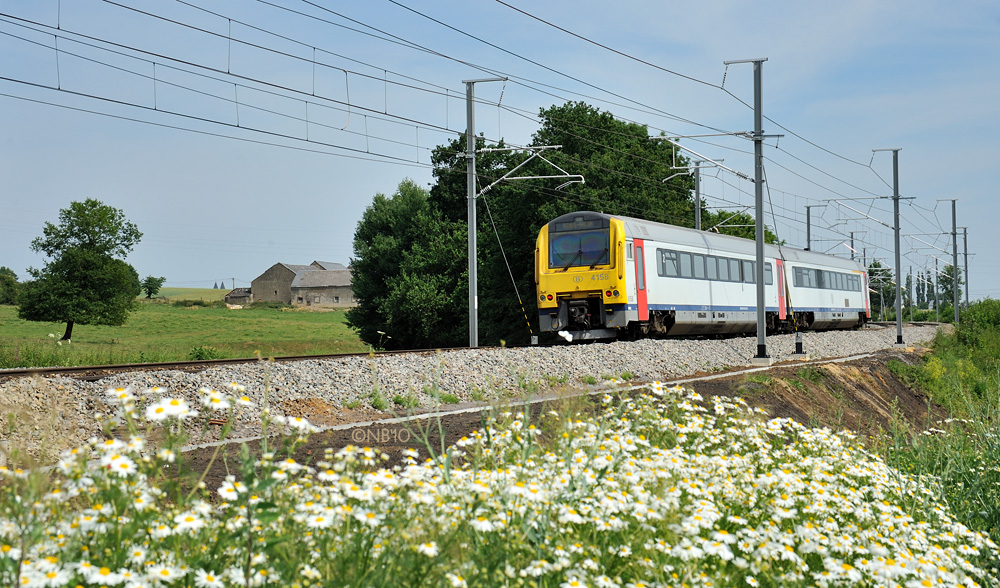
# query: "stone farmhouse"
321,283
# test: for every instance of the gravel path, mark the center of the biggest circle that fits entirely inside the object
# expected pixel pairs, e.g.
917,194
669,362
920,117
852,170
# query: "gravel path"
47,415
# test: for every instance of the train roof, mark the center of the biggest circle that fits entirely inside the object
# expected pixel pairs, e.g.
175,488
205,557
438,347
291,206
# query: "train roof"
716,243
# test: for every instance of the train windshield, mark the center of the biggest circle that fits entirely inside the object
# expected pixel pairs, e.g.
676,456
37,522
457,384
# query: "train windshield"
579,248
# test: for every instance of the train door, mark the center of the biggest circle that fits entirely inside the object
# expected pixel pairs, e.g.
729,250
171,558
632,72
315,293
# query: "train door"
640,280
864,294
782,311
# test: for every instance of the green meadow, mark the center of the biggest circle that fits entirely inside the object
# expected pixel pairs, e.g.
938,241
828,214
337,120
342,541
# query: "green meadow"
181,324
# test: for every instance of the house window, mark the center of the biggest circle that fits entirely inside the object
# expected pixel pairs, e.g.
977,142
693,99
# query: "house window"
300,300
336,299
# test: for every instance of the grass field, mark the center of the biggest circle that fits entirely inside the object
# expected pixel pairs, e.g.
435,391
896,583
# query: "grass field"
161,331
205,294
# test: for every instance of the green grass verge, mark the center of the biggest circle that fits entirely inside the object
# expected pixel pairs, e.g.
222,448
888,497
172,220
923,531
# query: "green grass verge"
157,331
962,452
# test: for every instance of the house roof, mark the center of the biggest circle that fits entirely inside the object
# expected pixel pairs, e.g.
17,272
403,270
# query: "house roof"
238,292
322,278
298,268
329,265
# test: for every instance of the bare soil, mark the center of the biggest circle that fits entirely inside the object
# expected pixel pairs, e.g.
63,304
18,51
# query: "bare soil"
862,395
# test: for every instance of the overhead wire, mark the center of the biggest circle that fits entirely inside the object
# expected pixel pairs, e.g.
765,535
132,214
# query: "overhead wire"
208,133
369,65
371,112
414,45
690,78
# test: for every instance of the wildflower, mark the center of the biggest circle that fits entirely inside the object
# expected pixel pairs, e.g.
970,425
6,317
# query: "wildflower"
170,408
482,524
319,522
123,395
430,549
101,576
214,400
163,573
188,521
207,579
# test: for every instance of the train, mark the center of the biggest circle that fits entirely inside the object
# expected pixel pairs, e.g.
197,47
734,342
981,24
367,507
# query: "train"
602,277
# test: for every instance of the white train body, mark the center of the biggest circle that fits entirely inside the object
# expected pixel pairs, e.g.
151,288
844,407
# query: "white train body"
661,279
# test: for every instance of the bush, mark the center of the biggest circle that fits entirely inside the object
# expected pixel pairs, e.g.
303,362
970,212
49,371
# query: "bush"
199,303
269,305
202,352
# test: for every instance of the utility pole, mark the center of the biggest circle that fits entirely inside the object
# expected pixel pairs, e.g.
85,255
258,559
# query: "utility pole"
954,256
758,155
852,245
909,291
937,307
697,195
809,225
470,158
965,262
895,213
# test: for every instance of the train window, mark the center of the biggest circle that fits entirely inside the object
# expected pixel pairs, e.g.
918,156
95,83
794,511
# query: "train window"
699,266
712,267
734,271
578,248
723,269
686,269
768,278
748,273
855,284
640,274
629,251
668,265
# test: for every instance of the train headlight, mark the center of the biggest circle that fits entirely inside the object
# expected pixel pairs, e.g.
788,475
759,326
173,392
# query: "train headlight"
616,293
542,297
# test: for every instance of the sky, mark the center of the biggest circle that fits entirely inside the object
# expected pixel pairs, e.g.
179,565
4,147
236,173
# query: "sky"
239,134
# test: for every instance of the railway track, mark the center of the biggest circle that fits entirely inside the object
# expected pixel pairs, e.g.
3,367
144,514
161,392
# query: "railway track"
93,373
98,372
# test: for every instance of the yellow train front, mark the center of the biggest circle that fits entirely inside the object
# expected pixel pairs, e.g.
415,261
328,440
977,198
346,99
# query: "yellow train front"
580,275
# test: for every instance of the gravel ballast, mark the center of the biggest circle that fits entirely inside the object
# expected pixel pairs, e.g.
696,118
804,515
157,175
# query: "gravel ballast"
45,415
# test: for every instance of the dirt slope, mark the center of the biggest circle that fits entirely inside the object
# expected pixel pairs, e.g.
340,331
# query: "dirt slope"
861,395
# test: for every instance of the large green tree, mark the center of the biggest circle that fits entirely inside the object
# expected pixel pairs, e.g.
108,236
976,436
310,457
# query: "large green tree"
84,281
8,286
403,273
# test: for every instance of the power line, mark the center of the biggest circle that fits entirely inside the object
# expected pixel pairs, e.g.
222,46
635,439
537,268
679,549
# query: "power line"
690,78
581,37
200,132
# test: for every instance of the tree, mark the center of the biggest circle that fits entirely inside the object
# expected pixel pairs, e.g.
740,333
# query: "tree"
404,273
882,289
83,282
8,286
946,285
151,285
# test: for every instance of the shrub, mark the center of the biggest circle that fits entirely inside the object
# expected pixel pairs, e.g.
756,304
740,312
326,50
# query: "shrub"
203,352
